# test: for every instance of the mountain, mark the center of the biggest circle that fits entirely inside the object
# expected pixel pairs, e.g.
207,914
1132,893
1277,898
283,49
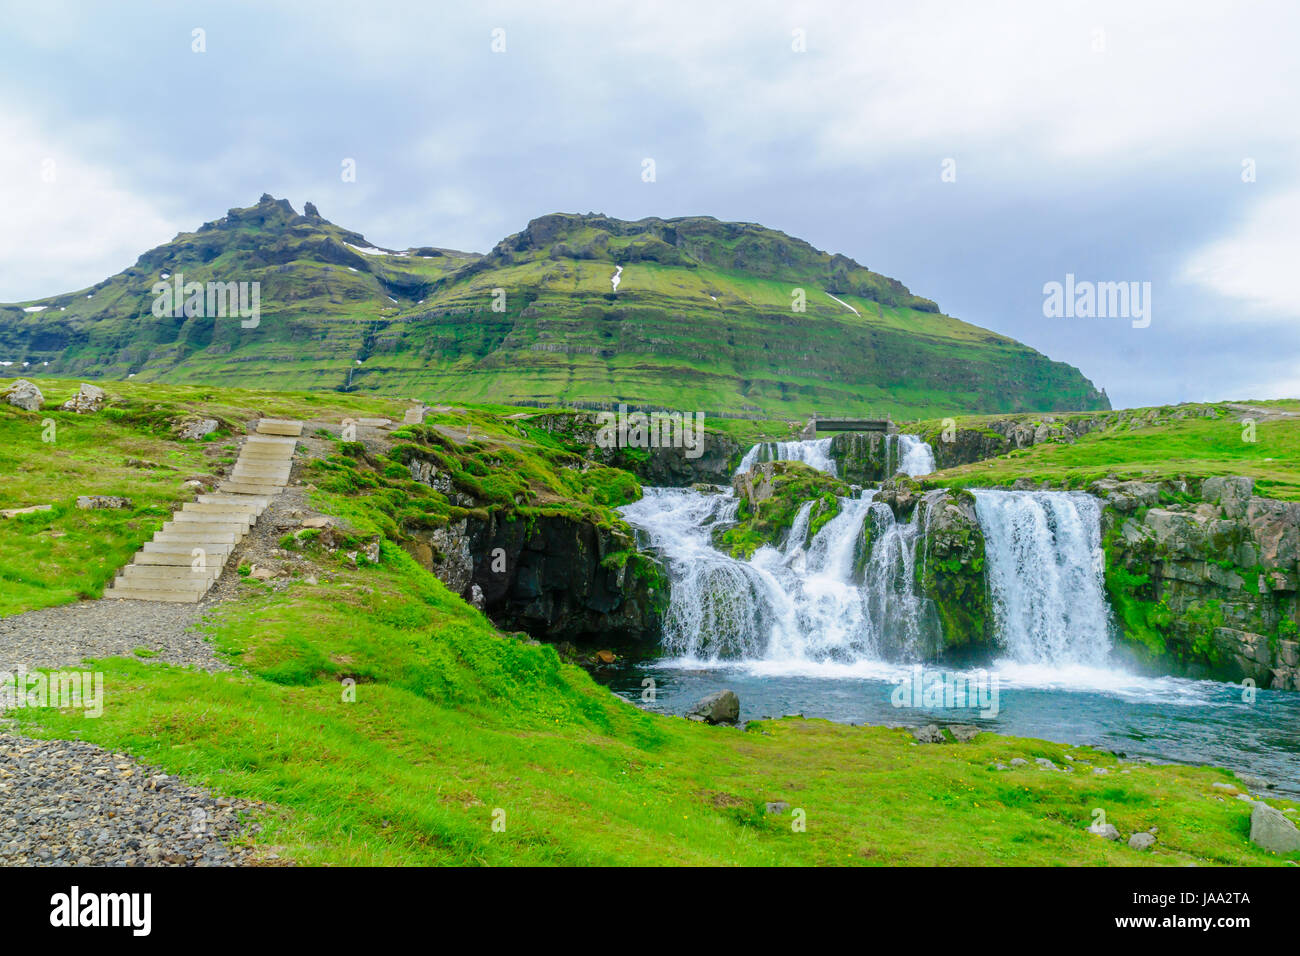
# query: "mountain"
701,318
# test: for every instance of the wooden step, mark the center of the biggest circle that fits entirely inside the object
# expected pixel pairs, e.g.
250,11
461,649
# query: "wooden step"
199,585
170,572
259,469
180,559
262,501
278,426
197,539
245,488
278,453
270,441
251,511
238,528
118,593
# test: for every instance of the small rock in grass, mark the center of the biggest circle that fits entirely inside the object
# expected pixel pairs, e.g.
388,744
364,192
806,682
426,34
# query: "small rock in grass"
1141,841
964,733
1106,830
778,806
1270,830
1044,762
1018,761
929,734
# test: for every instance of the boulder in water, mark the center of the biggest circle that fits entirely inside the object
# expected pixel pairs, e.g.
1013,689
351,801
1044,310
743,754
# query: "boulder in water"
25,395
1270,830
720,707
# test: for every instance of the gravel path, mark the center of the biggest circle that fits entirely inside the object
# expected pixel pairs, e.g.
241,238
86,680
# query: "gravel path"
64,636
65,803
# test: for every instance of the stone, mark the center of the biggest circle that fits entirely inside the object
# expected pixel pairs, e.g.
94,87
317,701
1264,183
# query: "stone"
261,574
1044,762
14,512
1019,762
320,521
1272,831
99,502
192,429
25,395
1105,830
1141,841
929,734
778,806
89,399
606,657
720,707
964,733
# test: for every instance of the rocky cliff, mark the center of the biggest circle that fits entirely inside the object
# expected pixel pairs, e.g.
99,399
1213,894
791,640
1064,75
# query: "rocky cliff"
1204,577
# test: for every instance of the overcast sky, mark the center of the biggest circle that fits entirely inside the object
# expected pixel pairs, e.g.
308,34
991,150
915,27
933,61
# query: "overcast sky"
1087,138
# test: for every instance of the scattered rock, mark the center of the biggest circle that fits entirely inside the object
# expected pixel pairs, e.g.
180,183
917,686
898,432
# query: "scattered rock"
1100,770
778,806
964,733
24,395
1141,841
720,707
929,734
193,429
1044,762
606,657
14,512
1272,831
261,574
320,521
1219,784
1105,830
89,399
99,502
1019,762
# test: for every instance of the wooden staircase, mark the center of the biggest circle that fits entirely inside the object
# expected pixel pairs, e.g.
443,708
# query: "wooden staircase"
186,557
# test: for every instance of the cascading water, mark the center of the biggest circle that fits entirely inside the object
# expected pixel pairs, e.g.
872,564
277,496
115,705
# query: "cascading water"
915,457
818,601
1045,566
815,453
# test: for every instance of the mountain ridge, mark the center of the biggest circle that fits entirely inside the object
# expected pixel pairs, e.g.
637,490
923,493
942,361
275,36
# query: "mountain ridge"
707,314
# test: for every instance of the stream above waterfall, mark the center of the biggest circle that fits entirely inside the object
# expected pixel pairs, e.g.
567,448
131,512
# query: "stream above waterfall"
821,626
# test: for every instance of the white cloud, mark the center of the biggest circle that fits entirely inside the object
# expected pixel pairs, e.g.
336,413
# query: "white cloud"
1256,262
65,223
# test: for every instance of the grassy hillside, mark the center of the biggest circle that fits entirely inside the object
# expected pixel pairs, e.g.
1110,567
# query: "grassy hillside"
1153,443
702,320
456,726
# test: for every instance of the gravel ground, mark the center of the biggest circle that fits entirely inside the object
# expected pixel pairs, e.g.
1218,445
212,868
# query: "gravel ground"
68,803
64,636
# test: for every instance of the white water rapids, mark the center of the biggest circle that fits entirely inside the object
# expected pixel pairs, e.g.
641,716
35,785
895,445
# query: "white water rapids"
829,605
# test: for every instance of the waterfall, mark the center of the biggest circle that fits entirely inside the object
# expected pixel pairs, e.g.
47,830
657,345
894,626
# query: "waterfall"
916,458
823,603
826,600
1045,563
815,453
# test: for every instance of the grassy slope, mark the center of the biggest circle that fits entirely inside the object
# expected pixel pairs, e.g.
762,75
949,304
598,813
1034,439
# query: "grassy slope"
453,721
1194,446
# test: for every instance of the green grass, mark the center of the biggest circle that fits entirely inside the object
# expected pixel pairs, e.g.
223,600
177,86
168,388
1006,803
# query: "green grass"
1192,447
453,722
